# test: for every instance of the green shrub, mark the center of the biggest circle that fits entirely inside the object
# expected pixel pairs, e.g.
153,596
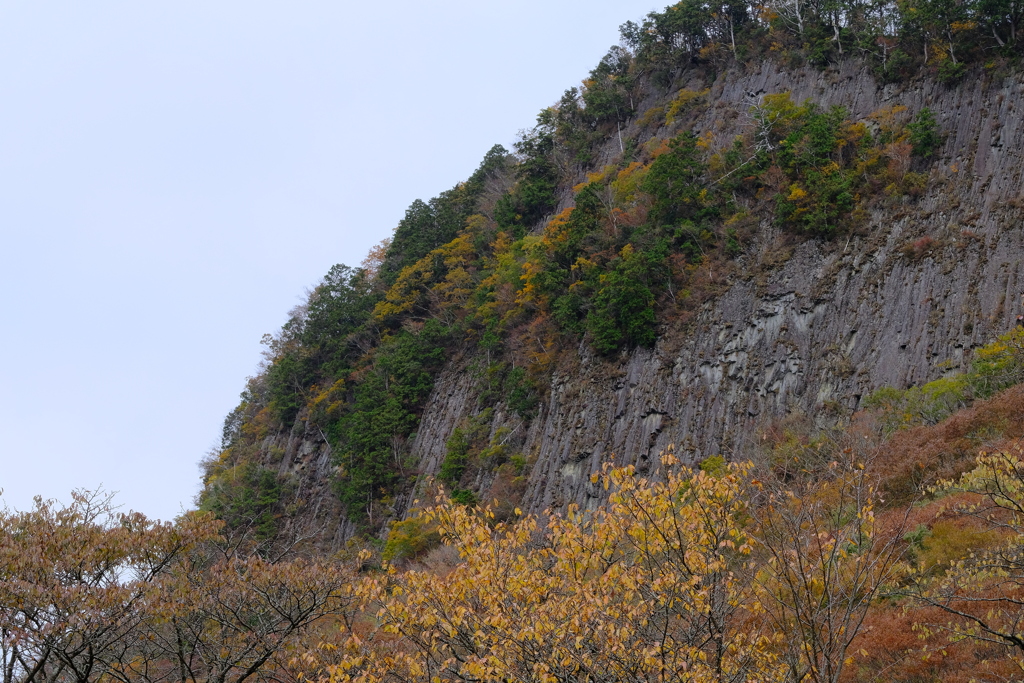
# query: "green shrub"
521,393
384,407
287,378
622,312
519,463
715,465
925,138
951,72
456,458
821,193
464,497
914,183
247,496
994,367
533,195
409,539
675,182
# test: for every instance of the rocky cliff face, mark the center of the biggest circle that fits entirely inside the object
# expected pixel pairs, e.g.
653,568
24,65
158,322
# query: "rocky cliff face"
801,326
929,280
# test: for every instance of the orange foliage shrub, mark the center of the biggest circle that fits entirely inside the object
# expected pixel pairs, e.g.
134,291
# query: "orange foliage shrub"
890,648
916,458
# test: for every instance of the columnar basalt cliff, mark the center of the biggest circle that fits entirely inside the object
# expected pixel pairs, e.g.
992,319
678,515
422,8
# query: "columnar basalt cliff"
834,322
792,325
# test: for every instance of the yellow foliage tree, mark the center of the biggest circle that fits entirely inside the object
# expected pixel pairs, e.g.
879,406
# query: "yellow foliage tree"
500,287
649,588
438,284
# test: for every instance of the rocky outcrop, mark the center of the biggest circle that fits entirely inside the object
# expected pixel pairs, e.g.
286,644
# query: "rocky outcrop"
928,280
801,326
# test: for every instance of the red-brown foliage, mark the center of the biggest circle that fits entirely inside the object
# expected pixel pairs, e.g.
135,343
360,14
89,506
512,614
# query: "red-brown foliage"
897,652
916,458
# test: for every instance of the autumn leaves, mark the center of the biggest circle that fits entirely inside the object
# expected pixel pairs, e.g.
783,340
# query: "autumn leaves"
91,594
705,576
724,573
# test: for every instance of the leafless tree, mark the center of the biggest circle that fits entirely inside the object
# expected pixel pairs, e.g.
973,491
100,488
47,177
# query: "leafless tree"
824,558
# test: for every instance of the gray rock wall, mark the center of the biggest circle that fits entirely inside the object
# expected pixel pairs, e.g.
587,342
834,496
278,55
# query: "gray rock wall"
834,322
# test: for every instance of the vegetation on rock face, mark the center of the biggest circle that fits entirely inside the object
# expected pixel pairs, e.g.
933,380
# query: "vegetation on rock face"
248,496
541,250
359,359
994,367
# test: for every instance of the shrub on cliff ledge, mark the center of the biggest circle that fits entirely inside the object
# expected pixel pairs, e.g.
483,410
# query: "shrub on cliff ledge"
925,137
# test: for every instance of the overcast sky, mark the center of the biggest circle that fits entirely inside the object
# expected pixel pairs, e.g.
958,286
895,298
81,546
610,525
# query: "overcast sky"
173,176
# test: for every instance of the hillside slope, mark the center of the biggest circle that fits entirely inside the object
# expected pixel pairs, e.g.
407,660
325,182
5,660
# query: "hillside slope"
832,323
755,303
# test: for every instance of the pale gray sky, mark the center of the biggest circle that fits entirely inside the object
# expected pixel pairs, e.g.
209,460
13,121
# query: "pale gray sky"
173,175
